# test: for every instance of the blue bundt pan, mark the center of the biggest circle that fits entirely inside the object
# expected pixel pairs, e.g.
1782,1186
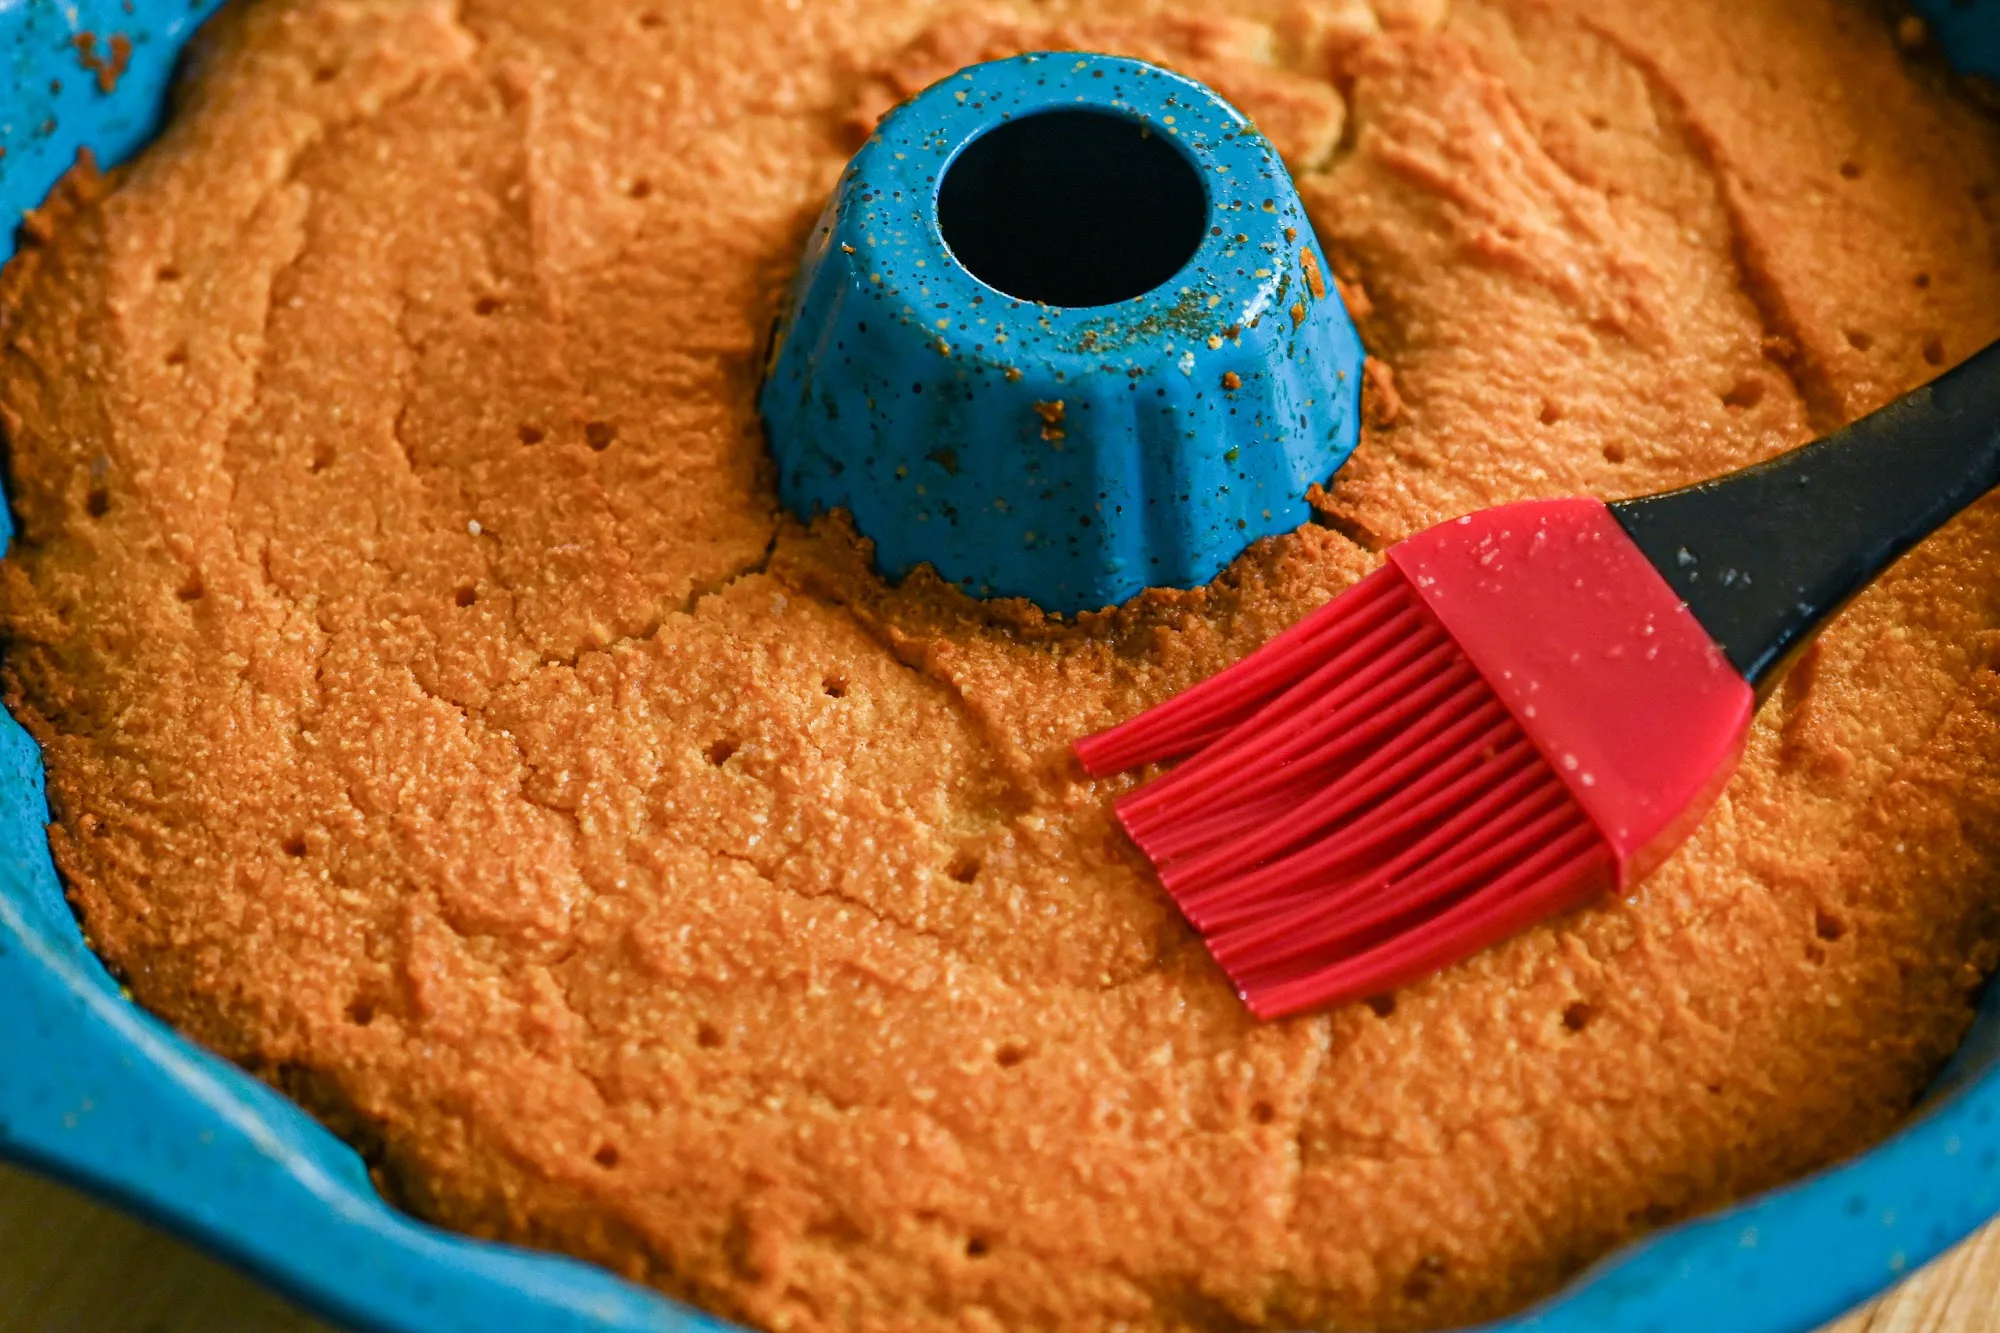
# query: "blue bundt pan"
96,1092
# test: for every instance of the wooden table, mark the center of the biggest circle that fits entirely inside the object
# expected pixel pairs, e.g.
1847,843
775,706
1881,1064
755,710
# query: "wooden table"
1960,1293
70,1266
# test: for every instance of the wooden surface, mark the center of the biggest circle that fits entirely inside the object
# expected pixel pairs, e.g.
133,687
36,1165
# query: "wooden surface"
1960,1293
70,1266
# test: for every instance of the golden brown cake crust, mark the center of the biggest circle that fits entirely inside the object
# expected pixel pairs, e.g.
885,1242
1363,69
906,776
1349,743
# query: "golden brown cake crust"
442,721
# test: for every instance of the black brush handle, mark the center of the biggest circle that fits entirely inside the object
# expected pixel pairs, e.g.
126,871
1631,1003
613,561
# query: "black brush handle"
1766,556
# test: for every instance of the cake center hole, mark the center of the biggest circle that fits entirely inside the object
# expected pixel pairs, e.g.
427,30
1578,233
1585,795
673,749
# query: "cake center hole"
1075,208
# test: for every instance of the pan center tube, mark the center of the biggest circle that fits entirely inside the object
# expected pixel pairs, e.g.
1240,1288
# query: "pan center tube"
1072,208
1063,332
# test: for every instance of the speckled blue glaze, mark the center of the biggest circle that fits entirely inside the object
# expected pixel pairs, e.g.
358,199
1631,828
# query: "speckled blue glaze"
905,390
96,1092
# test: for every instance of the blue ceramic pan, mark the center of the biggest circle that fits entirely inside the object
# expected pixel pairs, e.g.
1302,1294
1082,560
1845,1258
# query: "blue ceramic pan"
99,1094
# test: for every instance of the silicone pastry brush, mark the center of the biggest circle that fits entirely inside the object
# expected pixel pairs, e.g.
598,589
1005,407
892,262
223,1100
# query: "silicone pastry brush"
1523,708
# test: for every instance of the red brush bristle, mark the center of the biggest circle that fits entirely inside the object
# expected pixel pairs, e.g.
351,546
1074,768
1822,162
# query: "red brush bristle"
1196,716
1514,714
1359,811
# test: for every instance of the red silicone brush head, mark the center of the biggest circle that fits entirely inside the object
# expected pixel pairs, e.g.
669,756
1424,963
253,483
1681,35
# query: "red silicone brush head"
1513,715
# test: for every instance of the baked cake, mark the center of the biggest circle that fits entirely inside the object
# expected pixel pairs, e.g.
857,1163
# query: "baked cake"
443,720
